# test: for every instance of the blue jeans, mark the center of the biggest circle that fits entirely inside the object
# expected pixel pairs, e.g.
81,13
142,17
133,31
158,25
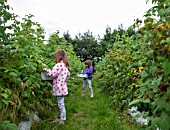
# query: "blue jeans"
87,81
61,108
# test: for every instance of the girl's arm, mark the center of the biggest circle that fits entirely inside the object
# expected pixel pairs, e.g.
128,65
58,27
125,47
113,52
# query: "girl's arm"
68,76
88,71
84,71
54,72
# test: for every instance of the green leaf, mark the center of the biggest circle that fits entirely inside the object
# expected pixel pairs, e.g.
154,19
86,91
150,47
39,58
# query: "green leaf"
166,67
1,68
5,95
153,70
156,81
7,47
161,12
144,74
29,82
0,105
5,101
145,37
119,74
6,71
139,101
154,122
7,15
147,1
155,88
37,84
2,29
163,41
6,125
143,89
135,102
13,74
168,89
149,53
146,100
39,61
168,40
161,103
164,121
150,20
33,68
161,59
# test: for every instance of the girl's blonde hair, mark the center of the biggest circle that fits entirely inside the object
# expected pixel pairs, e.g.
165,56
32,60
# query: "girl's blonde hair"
61,55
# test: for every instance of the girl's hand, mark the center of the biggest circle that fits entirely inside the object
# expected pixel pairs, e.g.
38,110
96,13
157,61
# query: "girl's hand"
68,68
45,70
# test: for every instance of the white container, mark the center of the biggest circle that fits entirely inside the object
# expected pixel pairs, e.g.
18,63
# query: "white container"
45,77
82,75
26,125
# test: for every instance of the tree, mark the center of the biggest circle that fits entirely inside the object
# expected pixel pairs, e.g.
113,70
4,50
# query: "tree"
85,45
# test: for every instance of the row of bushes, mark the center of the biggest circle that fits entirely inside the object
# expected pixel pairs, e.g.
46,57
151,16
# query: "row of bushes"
22,51
136,71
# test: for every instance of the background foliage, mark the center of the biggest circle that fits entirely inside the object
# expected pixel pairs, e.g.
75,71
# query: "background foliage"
136,70
22,51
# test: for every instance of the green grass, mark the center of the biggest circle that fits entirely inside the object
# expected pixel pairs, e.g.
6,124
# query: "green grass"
86,113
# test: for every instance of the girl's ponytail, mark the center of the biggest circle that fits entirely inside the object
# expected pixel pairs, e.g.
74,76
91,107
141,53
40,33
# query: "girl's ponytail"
61,55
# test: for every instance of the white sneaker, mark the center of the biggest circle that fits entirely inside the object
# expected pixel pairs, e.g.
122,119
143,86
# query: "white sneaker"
91,95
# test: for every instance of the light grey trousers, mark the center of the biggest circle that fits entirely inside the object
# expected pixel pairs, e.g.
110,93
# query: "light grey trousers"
61,108
87,81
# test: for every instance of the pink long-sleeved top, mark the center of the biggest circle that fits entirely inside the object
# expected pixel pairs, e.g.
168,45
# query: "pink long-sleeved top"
60,75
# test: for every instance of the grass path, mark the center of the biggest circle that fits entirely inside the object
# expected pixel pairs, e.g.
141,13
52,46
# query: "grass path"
86,113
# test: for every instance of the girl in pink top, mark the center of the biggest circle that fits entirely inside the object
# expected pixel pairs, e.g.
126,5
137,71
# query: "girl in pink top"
60,74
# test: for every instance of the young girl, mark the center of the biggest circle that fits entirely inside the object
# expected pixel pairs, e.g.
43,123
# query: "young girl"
60,74
89,71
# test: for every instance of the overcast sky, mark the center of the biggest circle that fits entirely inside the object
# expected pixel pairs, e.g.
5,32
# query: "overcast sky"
81,15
